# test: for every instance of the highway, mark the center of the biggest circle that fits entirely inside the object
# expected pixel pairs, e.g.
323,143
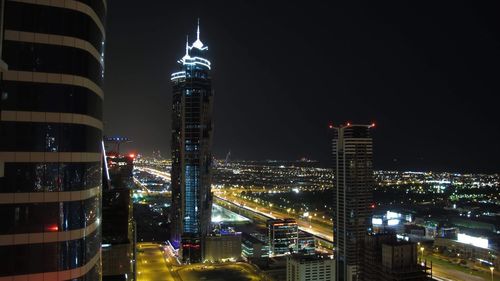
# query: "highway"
158,173
313,228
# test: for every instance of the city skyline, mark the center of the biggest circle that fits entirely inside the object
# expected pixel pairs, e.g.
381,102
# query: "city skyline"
88,197
424,75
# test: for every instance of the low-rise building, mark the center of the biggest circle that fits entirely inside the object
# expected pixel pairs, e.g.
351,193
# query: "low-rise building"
310,268
223,245
253,248
387,259
306,243
283,236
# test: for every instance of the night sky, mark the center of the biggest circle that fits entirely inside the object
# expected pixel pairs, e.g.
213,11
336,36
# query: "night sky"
427,74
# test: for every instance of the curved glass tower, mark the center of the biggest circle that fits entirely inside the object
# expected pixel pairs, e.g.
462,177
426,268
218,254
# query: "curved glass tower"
50,140
191,152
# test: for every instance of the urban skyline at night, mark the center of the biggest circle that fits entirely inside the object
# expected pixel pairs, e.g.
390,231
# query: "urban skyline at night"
249,140
423,75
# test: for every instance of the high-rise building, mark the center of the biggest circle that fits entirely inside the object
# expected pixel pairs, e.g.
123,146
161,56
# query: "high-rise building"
283,236
191,152
50,140
3,65
118,235
118,226
310,268
353,185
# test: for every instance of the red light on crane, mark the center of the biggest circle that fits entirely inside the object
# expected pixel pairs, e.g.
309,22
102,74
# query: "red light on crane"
53,228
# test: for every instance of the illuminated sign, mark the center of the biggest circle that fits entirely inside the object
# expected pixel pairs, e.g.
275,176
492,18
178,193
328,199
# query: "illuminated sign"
474,241
392,215
393,222
377,221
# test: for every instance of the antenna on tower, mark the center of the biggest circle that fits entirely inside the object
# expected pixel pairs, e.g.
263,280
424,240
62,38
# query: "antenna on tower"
228,155
198,30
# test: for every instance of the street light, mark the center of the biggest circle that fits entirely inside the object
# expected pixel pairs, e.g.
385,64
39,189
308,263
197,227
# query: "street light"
491,269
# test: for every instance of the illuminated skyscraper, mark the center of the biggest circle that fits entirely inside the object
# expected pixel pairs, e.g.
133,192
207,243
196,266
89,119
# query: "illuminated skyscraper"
353,187
50,140
191,152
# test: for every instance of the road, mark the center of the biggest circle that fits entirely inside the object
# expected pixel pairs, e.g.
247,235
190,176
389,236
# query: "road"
304,225
158,173
152,265
157,262
447,271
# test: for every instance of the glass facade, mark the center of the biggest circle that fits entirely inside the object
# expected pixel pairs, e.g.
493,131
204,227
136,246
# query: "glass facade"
53,20
48,217
50,139
49,257
31,96
191,152
52,176
52,59
283,236
191,218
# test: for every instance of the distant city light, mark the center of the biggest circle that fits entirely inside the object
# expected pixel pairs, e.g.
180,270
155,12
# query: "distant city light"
472,240
393,222
392,215
377,221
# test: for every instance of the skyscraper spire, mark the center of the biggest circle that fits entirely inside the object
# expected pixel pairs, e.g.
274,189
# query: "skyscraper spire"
187,48
198,44
198,30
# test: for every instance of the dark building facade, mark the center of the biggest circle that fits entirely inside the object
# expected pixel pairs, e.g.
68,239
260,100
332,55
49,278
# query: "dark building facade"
353,186
118,235
191,152
387,259
50,140
118,226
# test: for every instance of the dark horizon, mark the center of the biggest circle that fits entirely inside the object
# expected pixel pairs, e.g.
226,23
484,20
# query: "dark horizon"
282,72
